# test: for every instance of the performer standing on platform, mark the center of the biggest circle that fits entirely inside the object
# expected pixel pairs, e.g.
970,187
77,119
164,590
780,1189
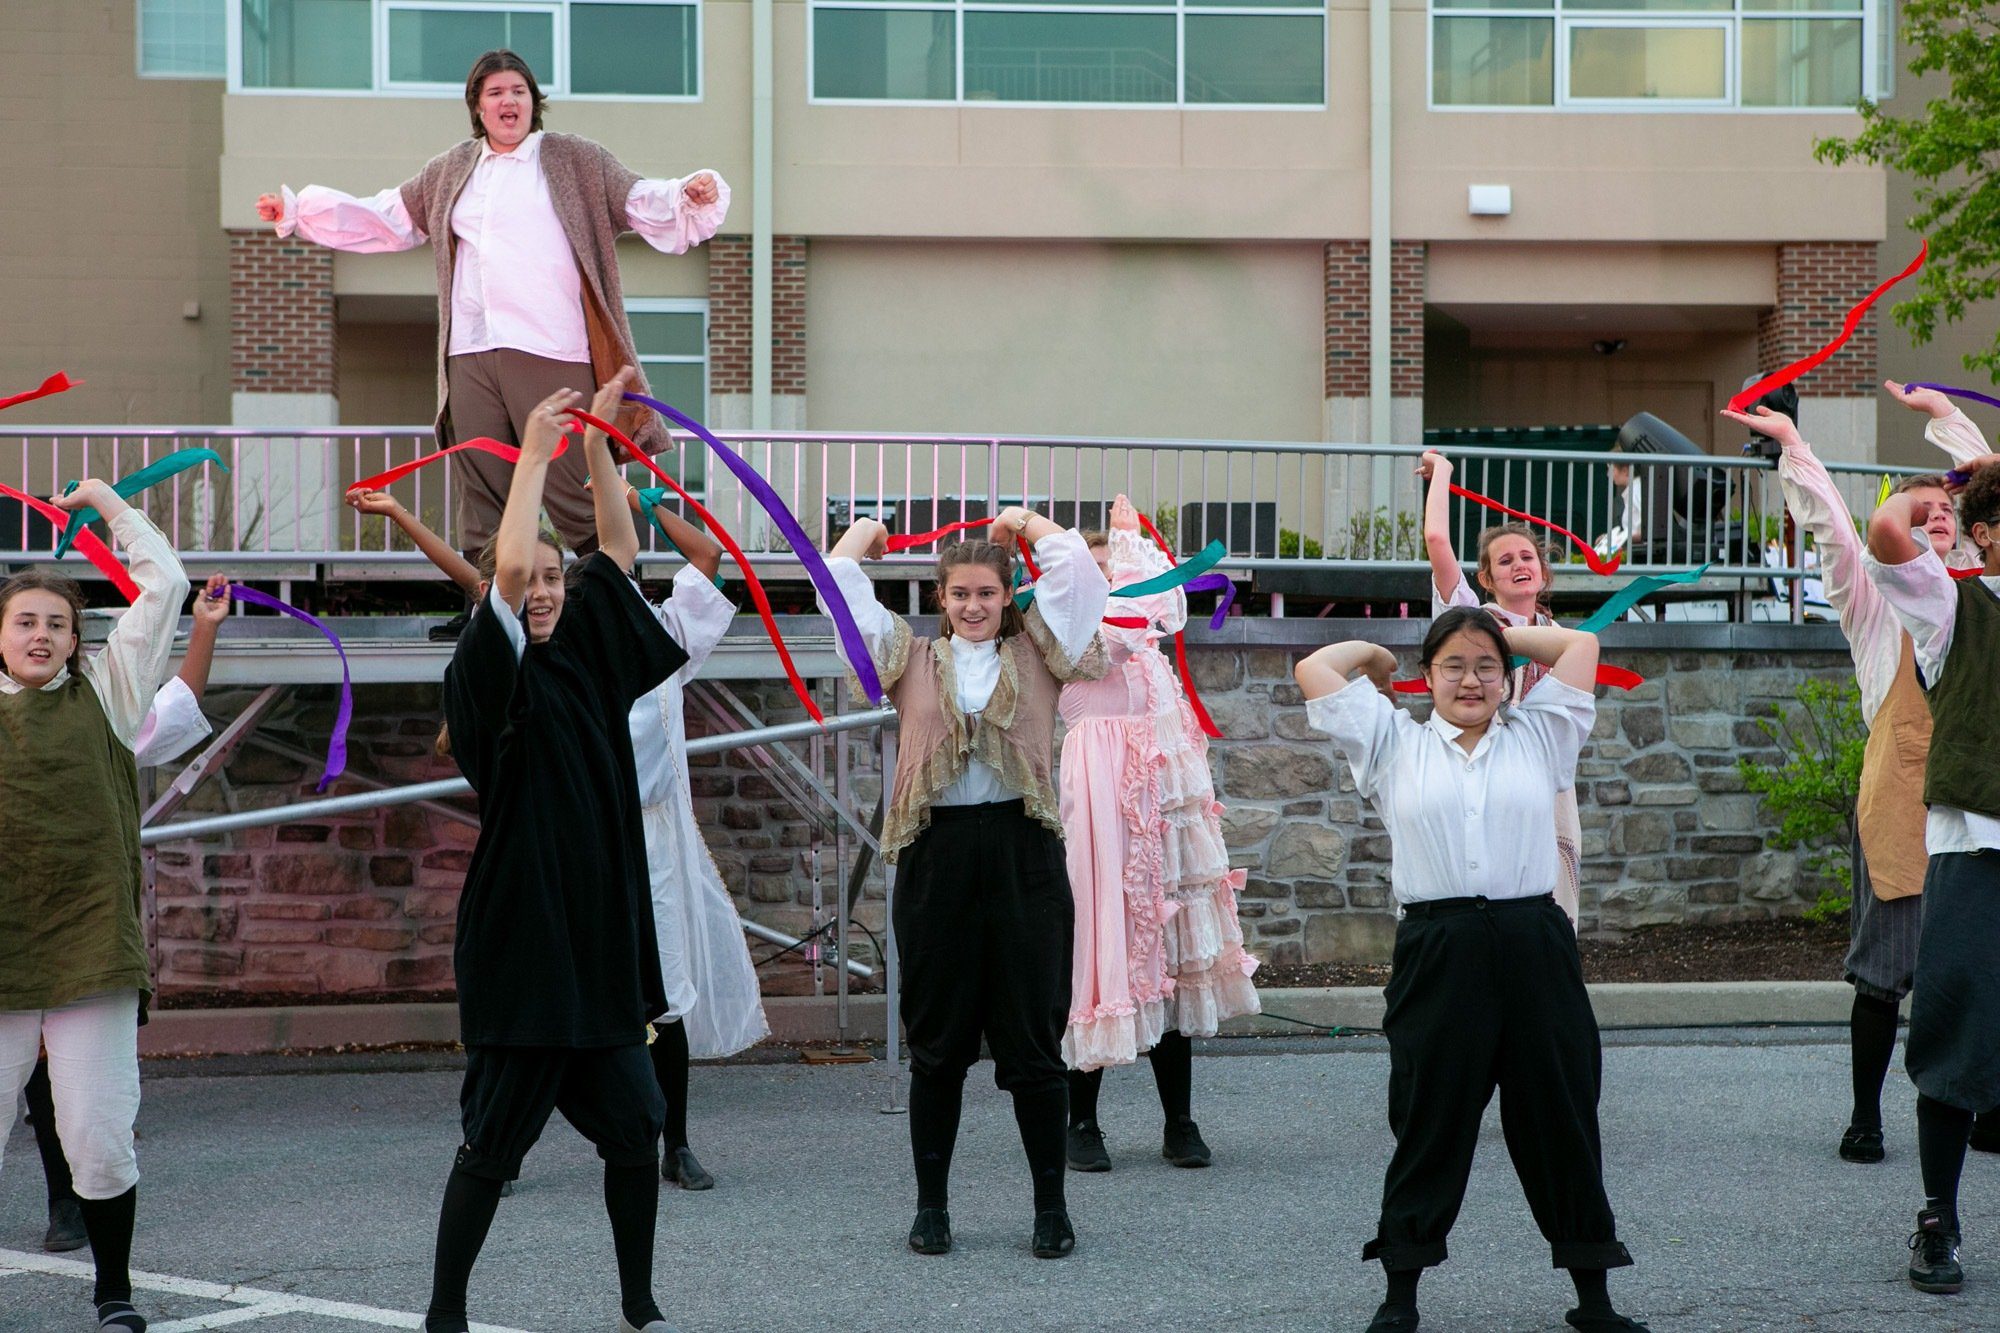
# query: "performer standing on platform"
1486,988
983,913
1514,571
1889,856
525,225
555,959
73,969
1953,1049
1159,951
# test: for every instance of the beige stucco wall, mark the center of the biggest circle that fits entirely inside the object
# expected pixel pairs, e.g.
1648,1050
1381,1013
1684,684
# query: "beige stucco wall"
108,212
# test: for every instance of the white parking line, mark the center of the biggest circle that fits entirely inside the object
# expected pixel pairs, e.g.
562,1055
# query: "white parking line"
256,1303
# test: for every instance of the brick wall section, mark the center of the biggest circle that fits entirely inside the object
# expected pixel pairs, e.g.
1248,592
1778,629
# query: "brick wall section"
1818,282
729,324
367,903
1346,278
281,315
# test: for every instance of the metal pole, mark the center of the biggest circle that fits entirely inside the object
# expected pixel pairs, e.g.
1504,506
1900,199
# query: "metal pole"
780,938
840,866
892,971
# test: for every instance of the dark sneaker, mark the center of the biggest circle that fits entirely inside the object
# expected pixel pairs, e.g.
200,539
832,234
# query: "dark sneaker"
451,629
1934,1256
1086,1148
682,1169
625,1325
1183,1146
119,1317
65,1231
1861,1145
1054,1236
931,1232
506,1189
1603,1323
1394,1319
1986,1133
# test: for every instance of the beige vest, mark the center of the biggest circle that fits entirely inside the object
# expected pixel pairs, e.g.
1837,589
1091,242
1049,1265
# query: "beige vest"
1890,809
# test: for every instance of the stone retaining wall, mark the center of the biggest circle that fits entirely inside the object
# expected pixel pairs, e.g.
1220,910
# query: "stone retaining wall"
366,902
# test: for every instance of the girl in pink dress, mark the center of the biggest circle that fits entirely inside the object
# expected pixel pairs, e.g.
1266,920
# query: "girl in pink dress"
1159,953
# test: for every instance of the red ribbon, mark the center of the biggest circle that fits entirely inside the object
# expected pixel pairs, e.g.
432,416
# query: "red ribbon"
484,444
88,542
926,538
1615,676
1201,716
1127,622
1778,378
728,544
56,383
1598,564
1971,573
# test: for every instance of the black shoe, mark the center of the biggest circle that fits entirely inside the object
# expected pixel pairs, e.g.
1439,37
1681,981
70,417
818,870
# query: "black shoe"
65,1231
1183,1146
680,1167
1054,1237
1086,1148
506,1189
931,1232
1394,1319
1861,1145
119,1317
1603,1323
451,629
1985,1133
1934,1256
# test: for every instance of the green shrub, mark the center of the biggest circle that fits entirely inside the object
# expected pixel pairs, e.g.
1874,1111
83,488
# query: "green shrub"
1817,779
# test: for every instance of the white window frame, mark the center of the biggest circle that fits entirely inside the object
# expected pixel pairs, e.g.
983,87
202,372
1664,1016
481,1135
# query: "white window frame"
681,305
556,84
1181,11
1563,16
229,7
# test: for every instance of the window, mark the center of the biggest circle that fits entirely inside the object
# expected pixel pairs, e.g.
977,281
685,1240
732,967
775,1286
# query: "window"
1071,52
671,336
183,39
1687,54
626,49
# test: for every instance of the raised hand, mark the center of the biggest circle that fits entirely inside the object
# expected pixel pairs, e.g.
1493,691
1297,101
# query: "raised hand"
91,493
699,189
1764,421
379,503
212,606
1928,401
1123,516
610,398
270,207
1433,464
547,424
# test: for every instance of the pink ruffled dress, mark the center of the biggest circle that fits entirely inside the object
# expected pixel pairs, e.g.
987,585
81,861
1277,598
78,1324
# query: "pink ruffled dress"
1158,945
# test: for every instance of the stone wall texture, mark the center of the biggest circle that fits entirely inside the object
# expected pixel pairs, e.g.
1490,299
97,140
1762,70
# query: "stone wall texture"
366,903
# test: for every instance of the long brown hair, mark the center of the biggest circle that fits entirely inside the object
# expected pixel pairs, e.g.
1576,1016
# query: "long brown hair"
1527,534
501,62
987,555
63,586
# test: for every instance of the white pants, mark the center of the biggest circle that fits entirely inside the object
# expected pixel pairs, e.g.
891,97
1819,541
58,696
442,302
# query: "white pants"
94,1076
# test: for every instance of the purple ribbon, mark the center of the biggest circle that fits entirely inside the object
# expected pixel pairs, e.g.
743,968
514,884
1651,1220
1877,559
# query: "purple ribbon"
336,745
1214,583
1951,392
802,545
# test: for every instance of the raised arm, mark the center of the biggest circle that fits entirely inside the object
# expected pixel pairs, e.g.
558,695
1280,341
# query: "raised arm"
211,608
1889,528
1446,576
676,215
1945,426
379,224
133,664
616,536
1570,654
1327,670
885,634
867,539
1817,505
697,547
435,548
520,521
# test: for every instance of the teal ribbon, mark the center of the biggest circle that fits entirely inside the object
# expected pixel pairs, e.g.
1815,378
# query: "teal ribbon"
1633,593
128,486
649,498
1186,572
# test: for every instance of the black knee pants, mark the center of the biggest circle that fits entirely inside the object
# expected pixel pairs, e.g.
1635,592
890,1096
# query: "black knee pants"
609,1095
1485,995
983,925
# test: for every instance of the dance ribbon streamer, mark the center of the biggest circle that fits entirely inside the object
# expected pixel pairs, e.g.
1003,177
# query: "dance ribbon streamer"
1201,717
1598,564
155,472
484,444
1180,575
802,546
1615,676
904,543
750,578
1945,389
336,745
54,384
1635,592
649,498
1779,378
88,542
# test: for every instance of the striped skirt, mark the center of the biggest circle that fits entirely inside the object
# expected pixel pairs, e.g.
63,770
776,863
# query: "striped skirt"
1882,957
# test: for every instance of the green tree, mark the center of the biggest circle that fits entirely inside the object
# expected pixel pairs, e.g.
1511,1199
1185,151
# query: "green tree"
1951,148
1816,782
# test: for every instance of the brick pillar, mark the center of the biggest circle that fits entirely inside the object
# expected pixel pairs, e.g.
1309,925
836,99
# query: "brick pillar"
1818,282
282,341
729,331
1347,384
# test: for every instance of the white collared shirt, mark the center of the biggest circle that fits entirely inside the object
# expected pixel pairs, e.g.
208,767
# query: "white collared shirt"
514,279
1463,825
1926,602
172,724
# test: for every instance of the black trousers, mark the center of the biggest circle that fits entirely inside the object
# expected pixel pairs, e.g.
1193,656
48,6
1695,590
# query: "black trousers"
1486,995
984,920
608,1094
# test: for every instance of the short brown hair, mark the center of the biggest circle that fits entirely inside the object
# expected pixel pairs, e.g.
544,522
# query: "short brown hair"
1929,481
987,555
501,62
63,586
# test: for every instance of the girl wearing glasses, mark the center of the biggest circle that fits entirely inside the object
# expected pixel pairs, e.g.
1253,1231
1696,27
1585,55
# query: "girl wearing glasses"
1487,987
1514,571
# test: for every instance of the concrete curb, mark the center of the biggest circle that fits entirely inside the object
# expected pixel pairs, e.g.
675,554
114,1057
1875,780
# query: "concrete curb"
810,1018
